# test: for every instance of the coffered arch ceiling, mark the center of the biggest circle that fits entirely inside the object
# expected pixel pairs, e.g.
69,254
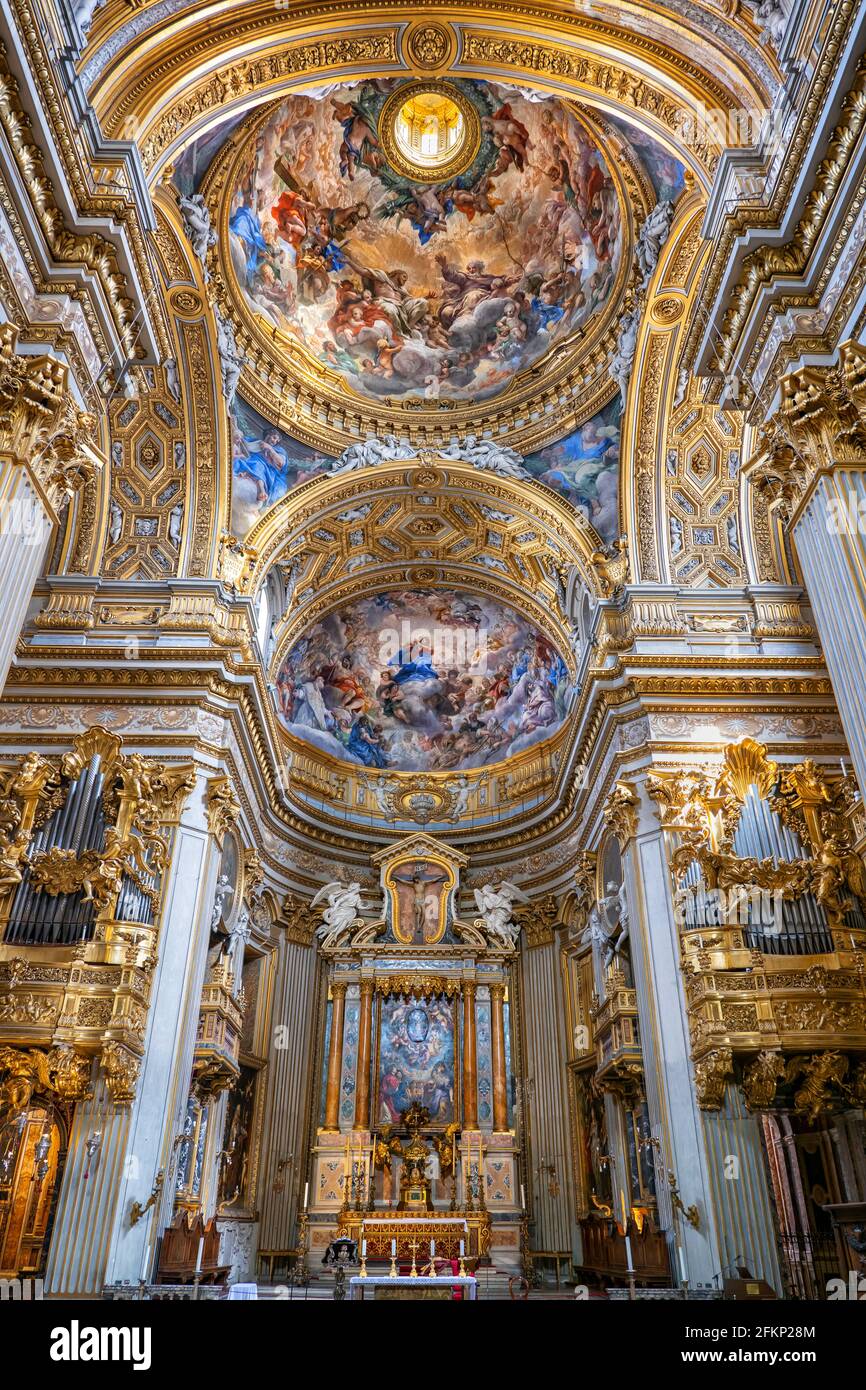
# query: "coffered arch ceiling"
146,74
484,582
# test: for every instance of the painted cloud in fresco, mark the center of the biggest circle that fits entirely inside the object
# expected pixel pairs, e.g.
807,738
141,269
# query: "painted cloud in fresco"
439,291
427,680
584,469
266,464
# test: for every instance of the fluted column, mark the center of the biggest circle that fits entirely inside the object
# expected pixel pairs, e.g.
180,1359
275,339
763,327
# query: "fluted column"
470,1058
497,1051
46,449
94,1240
25,526
335,1057
362,1075
692,1143
813,465
832,554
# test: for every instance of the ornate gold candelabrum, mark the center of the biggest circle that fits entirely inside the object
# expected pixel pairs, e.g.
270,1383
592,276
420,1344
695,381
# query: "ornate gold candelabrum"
301,1271
525,1251
392,1272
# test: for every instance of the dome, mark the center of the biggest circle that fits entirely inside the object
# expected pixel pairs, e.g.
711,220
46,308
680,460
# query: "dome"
425,243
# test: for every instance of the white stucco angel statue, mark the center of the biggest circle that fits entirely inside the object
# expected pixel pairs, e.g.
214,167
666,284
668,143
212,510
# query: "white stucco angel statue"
614,920
496,909
344,904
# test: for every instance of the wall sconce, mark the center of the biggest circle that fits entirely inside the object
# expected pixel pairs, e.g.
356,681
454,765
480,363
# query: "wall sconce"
691,1214
279,1176
548,1171
92,1149
137,1211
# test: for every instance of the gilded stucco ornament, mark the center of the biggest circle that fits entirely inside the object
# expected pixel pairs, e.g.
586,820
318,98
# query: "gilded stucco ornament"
121,1070
761,1078
41,425
621,812
60,1072
823,1075
223,807
712,1073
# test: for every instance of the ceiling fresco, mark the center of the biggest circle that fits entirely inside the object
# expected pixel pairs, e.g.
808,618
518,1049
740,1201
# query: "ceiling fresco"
435,271
422,679
584,469
266,464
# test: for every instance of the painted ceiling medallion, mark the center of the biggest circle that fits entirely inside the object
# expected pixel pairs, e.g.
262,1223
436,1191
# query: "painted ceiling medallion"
423,680
429,130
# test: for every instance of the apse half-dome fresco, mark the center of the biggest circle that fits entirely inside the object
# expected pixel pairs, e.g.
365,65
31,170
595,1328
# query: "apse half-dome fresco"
424,244
421,679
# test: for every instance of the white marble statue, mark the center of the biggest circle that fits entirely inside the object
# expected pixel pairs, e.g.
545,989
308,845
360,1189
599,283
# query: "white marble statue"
771,16
652,237
621,362
224,891
172,378
197,225
344,905
461,802
231,361
239,934
371,451
487,454
496,910
175,520
381,790
613,916
84,10
115,521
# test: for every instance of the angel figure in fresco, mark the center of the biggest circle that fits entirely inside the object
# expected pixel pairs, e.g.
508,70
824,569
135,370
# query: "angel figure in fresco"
496,910
344,905
360,144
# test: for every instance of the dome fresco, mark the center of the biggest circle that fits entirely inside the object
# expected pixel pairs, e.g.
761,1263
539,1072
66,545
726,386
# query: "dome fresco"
433,680
441,284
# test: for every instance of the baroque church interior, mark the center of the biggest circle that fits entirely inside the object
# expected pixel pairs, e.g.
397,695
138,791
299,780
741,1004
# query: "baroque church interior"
432,499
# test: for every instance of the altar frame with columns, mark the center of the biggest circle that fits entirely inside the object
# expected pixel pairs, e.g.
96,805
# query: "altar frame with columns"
476,976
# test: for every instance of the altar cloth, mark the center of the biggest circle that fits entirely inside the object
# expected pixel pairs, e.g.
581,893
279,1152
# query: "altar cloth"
358,1286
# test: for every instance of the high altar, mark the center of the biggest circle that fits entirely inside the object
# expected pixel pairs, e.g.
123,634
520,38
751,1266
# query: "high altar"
415,1140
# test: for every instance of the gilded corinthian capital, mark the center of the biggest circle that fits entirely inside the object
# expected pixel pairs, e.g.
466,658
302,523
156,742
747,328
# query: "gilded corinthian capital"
41,424
821,422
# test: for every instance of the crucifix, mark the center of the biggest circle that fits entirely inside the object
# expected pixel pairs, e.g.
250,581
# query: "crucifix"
413,1246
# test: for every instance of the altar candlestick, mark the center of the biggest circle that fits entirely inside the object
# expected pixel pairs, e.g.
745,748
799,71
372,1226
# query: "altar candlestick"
364,1249
522,1198
198,1256
393,1248
462,1250
844,768
683,1275
306,1195
145,1268
628,1264
432,1251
